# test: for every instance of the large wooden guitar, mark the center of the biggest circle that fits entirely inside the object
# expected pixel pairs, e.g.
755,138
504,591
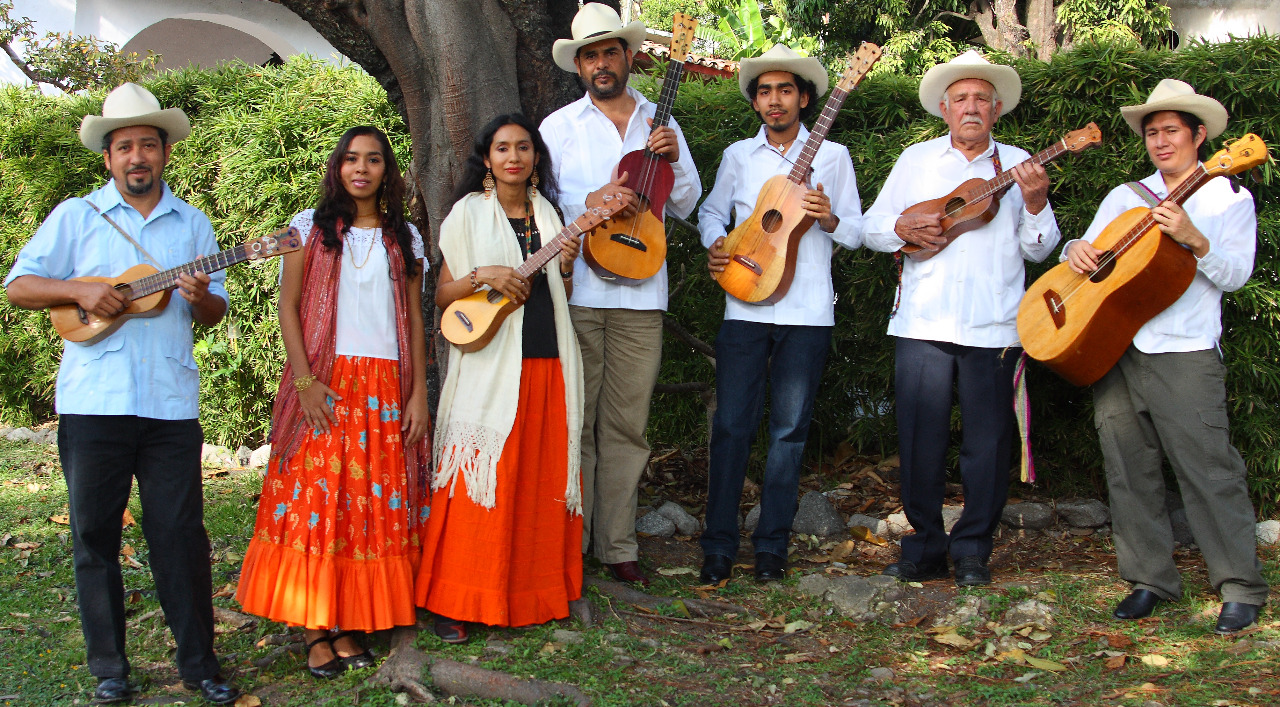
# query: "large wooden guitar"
149,290
975,202
631,250
471,322
762,249
1080,325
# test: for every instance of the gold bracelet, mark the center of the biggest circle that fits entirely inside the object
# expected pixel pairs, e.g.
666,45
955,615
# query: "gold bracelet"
303,382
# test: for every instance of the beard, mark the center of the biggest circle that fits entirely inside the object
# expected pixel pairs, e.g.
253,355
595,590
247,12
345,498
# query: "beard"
141,187
613,90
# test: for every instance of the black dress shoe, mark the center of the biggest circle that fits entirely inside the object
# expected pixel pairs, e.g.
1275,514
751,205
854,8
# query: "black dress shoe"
359,661
907,571
328,671
450,630
1236,616
715,568
1138,605
971,571
217,690
112,691
770,567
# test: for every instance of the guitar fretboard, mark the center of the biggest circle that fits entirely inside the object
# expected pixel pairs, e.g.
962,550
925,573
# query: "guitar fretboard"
551,249
1189,186
164,280
667,97
818,134
1004,180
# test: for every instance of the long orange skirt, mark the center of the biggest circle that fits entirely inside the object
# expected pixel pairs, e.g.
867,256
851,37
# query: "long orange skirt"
520,562
333,546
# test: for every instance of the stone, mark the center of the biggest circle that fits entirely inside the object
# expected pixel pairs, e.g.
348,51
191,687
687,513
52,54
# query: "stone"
1268,532
950,515
260,456
21,434
865,599
1033,516
1084,513
242,455
216,455
1182,534
814,585
752,520
897,524
816,516
685,524
563,636
881,674
1029,612
875,525
966,610
654,523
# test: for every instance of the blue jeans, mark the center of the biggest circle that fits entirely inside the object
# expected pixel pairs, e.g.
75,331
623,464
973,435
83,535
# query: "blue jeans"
793,358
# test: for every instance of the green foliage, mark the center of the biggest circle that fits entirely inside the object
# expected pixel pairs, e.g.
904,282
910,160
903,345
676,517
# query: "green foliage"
67,61
1101,21
746,31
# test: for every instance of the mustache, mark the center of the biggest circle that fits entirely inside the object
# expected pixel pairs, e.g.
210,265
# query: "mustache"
971,119
604,72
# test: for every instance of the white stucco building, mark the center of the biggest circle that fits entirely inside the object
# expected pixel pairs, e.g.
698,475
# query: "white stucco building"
1215,20
183,32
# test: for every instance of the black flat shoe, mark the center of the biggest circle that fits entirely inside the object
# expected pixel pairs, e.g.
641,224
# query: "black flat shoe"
971,571
359,661
450,631
112,691
907,571
716,568
216,690
770,567
1138,605
1236,616
329,670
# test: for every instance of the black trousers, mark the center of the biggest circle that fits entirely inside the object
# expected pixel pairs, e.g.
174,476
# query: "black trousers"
925,373
101,455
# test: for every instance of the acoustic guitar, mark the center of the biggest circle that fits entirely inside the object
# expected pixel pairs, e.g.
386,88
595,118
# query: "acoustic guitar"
632,250
975,202
149,290
1080,325
471,322
762,249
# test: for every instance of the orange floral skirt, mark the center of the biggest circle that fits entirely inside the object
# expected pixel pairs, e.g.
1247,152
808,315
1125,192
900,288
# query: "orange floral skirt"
333,546
520,562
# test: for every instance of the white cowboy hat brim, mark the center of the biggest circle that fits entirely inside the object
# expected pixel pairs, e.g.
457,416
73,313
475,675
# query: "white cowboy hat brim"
563,51
1211,112
938,79
783,58
172,120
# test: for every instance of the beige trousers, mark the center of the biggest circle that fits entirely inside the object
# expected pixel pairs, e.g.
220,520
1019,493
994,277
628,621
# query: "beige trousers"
621,353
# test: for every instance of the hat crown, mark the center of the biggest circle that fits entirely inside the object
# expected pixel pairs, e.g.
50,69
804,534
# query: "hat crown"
970,58
595,18
1170,88
128,100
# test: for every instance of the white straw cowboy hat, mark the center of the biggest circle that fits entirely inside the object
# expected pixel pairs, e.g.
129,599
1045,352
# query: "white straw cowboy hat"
130,104
1172,94
970,65
594,23
782,58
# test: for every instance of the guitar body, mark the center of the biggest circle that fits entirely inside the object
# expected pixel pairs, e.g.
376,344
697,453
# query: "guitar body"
762,249
471,322
966,214
74,324
1081,325
632,250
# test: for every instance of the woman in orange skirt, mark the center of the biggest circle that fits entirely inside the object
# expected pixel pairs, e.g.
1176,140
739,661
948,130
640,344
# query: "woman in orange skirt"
503,543
336,544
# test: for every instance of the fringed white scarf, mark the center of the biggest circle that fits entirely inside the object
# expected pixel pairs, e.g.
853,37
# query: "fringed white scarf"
480,394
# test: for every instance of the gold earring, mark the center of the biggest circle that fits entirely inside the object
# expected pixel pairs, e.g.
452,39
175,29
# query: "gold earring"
533,185
489,184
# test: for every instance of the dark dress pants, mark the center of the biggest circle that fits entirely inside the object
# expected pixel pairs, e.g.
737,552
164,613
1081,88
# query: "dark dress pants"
983,377
101,455
792,358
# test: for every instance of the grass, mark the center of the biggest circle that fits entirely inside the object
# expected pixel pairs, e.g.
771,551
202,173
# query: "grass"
637,659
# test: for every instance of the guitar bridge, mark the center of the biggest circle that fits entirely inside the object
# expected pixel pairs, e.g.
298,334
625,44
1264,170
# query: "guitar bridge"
1057,308
465,321
749,264
629,241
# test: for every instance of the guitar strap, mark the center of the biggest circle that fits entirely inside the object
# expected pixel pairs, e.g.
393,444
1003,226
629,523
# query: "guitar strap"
1145,193
127,237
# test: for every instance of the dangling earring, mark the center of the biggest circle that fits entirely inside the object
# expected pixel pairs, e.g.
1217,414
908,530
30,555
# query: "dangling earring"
489,184
533,185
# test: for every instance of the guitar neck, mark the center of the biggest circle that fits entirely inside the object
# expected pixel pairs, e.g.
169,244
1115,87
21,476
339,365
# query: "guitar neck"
667,98
1004,180
163,280
547,252
1189,186
818,134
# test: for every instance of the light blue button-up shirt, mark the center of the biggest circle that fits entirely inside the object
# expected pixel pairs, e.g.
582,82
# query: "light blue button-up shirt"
145,367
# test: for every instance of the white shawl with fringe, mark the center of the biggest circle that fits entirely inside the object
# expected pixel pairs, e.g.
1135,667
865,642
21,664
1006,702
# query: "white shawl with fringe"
480,394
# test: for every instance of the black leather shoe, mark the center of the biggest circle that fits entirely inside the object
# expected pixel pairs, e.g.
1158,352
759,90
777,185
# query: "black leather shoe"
1236,616
1138,605
111,691
329,670
449,630
770,567
359,661
716,568
971,571
217,690
907,571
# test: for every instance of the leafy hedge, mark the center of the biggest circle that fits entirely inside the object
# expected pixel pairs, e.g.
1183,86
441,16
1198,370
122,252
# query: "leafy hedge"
261,136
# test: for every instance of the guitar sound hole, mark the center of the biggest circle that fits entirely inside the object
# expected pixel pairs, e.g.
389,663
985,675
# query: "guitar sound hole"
493,296
771,220
124,289
955,205
1104,271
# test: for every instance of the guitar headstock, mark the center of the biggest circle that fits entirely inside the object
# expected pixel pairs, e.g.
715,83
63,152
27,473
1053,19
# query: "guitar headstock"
859,65
597,215
1237,156
286,240
682,29
1083,139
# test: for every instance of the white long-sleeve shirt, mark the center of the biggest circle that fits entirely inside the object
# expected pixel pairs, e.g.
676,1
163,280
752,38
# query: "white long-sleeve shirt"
745,167
967,294
1227,219
585,147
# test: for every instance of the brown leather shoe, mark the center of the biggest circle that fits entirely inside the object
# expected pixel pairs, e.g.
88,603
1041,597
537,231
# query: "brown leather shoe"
628,572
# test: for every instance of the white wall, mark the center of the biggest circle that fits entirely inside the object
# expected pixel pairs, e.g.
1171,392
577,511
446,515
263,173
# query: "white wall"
1214,20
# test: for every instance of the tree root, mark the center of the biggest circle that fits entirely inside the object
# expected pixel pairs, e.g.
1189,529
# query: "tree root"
402,670
580,609
697,607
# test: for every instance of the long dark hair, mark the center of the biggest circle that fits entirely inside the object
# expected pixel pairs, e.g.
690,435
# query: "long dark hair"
473,171
337,205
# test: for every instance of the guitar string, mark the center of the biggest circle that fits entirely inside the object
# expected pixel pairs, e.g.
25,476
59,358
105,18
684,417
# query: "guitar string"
649,172
1005,178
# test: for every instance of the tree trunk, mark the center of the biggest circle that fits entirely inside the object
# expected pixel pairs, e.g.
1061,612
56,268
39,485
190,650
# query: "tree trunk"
1042,27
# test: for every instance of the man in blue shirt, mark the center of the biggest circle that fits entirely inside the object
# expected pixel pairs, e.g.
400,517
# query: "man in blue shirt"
127,404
